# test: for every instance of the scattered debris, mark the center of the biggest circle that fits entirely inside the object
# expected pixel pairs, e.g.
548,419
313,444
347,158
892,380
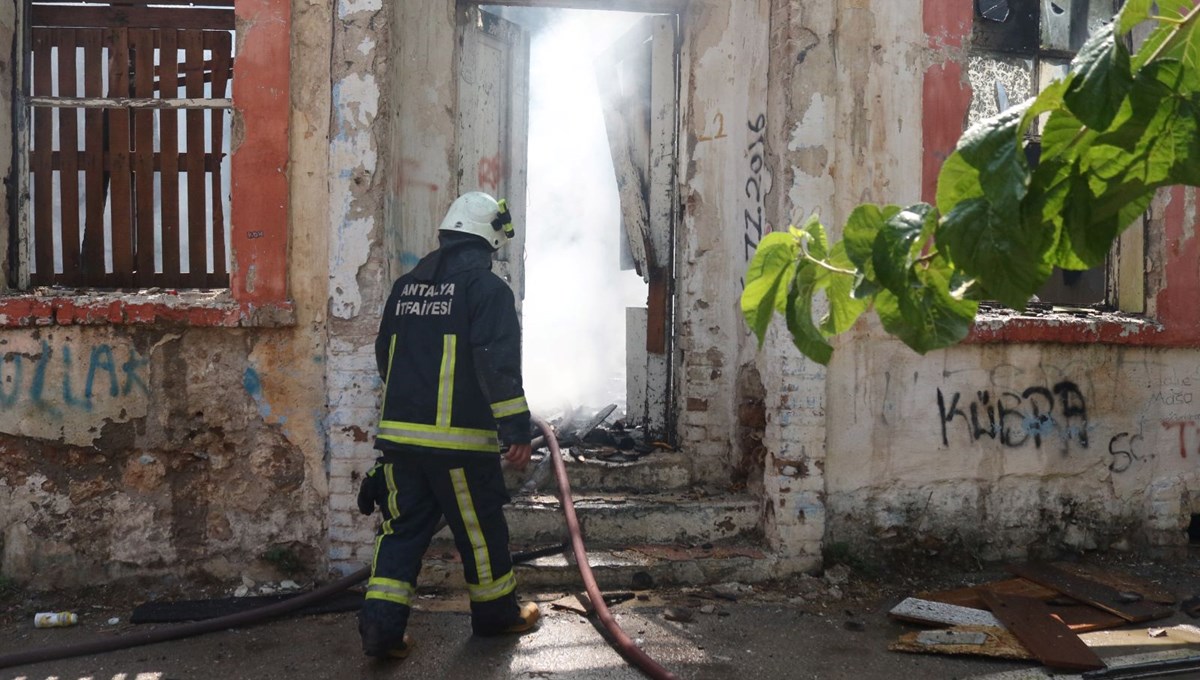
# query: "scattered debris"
731,591
679,614
951,637
998,643
708,609
937,613
1092,592
1049,639
1040,615
837,575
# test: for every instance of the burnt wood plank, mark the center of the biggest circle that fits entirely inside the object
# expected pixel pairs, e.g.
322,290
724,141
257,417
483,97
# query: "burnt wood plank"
43,175
1093,593
133,17
222,57
68,136
1044,636
121,186
1078,616
168,121
95,177
193,46
142,42
1121,581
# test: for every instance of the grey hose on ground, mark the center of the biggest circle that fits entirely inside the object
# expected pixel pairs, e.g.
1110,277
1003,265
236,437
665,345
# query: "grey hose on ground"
617,637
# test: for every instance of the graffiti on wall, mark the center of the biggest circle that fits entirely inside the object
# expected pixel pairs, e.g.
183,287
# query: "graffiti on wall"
1016,419
1189,436
70,377
755,191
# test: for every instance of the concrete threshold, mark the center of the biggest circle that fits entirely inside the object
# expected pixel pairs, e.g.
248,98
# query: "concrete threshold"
645,518
624,568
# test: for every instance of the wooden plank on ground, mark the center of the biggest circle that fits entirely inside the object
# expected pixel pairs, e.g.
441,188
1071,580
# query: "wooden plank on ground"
1096,594
1121,581
168,122
1047,638
68,136
1078,616
142,42
998,643
939,614
95,172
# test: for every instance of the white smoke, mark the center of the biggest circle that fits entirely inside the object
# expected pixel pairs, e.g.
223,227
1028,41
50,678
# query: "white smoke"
575,294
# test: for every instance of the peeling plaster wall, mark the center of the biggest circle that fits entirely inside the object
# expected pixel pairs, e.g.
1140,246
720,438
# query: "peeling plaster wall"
8,29
997,450
179,448
359,279
726,179
1092,448
143,450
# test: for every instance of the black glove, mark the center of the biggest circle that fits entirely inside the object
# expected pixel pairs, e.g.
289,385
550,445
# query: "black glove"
367,490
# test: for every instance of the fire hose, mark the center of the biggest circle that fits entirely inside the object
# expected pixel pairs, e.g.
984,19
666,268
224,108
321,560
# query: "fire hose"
619,640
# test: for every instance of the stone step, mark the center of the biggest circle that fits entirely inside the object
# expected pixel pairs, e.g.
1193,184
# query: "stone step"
661,471
625,568
614,520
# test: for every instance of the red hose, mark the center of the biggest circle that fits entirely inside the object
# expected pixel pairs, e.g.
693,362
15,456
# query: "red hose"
619,639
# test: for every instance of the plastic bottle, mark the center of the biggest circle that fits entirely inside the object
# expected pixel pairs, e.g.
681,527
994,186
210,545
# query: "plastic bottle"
54,619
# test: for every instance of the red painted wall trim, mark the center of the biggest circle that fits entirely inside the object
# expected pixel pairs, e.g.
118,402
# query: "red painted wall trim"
261,98
946,100
112,309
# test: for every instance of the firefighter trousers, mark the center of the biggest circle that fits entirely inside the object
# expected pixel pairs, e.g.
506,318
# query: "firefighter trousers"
414,490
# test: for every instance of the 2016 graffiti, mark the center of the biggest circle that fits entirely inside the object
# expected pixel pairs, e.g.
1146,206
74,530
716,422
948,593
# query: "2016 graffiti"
1016,419
108,373
754,186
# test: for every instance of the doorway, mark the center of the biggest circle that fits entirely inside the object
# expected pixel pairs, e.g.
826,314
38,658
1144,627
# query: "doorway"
572,115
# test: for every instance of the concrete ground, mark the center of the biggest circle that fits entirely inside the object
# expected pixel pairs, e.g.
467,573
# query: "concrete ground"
781,630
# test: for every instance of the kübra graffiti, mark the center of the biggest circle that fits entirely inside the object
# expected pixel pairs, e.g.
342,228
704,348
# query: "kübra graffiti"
1018,419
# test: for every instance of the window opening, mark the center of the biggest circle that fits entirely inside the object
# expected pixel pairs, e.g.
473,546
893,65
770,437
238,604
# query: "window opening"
1018,48
128,144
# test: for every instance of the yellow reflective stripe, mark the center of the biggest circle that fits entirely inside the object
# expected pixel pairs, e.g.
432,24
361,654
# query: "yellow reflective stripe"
391,590
446,380
486,592
456,438
510,407
388,375
393,492
466,508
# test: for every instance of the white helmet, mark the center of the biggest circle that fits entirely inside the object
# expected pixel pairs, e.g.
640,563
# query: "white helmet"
477,213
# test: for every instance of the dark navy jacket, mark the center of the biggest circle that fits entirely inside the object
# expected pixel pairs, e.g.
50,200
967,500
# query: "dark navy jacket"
449,353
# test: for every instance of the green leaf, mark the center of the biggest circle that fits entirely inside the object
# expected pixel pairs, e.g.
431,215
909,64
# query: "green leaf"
862,228
767,281
1171,40
1101,81
813,238
895,246
807,338
994,249
995,151
844,307
1132,13
928,317
1049,99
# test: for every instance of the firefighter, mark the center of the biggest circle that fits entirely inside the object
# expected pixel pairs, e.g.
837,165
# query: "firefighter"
449,354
